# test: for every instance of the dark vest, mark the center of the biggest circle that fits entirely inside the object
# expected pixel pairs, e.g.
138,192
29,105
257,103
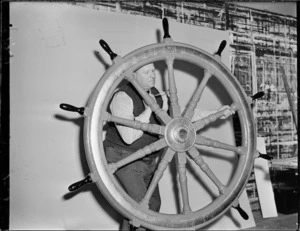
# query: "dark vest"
113,138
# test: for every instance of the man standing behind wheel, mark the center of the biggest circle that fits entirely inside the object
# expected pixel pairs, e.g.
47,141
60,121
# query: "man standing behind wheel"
122,141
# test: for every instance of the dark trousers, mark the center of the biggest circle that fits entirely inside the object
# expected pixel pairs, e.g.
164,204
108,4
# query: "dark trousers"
135,177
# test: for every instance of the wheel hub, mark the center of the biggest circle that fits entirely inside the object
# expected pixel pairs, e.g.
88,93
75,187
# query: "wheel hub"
180,134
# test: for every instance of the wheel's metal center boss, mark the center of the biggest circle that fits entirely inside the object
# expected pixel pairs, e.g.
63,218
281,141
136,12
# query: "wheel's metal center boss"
180,134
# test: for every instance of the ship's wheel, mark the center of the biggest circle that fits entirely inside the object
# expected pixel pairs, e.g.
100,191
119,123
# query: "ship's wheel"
178,135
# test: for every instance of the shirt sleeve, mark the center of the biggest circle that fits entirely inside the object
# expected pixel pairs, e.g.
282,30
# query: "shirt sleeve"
165,100
122,106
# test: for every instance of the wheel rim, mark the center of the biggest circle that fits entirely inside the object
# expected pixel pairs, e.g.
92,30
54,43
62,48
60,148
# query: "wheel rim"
184,134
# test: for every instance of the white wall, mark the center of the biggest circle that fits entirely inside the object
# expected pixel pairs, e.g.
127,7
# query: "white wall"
55,60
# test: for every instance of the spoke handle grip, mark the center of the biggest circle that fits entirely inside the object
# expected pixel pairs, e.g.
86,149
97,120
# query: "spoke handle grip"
265,156
68,107
221,48
166,28
241,212
105,46
258,95
81,183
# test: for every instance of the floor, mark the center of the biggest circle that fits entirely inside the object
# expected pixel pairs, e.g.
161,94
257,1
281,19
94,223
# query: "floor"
282,222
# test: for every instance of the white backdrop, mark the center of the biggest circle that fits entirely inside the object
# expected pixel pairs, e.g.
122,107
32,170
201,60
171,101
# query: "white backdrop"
56,58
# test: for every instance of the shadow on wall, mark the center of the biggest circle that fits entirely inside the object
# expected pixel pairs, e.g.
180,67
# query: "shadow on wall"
85,168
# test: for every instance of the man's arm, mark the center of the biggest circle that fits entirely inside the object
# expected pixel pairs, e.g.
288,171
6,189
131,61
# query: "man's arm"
122,106
200,114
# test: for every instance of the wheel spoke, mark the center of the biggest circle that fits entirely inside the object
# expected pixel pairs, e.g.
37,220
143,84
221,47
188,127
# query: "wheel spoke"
201,140
152,128
168,156
175,108
163,115
157,145
181,166
201,123
189,113
204,167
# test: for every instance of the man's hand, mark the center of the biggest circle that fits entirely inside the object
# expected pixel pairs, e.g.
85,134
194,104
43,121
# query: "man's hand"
228,112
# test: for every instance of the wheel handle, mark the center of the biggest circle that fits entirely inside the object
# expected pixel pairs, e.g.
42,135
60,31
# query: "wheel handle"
265,156
221,48
80,183
105,46
166,28
241,212
258,95
68,107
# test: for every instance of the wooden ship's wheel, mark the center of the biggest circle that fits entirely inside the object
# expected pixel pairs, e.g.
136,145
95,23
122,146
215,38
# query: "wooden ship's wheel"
178,134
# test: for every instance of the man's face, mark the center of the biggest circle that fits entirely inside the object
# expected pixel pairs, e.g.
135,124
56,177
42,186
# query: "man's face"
145,76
